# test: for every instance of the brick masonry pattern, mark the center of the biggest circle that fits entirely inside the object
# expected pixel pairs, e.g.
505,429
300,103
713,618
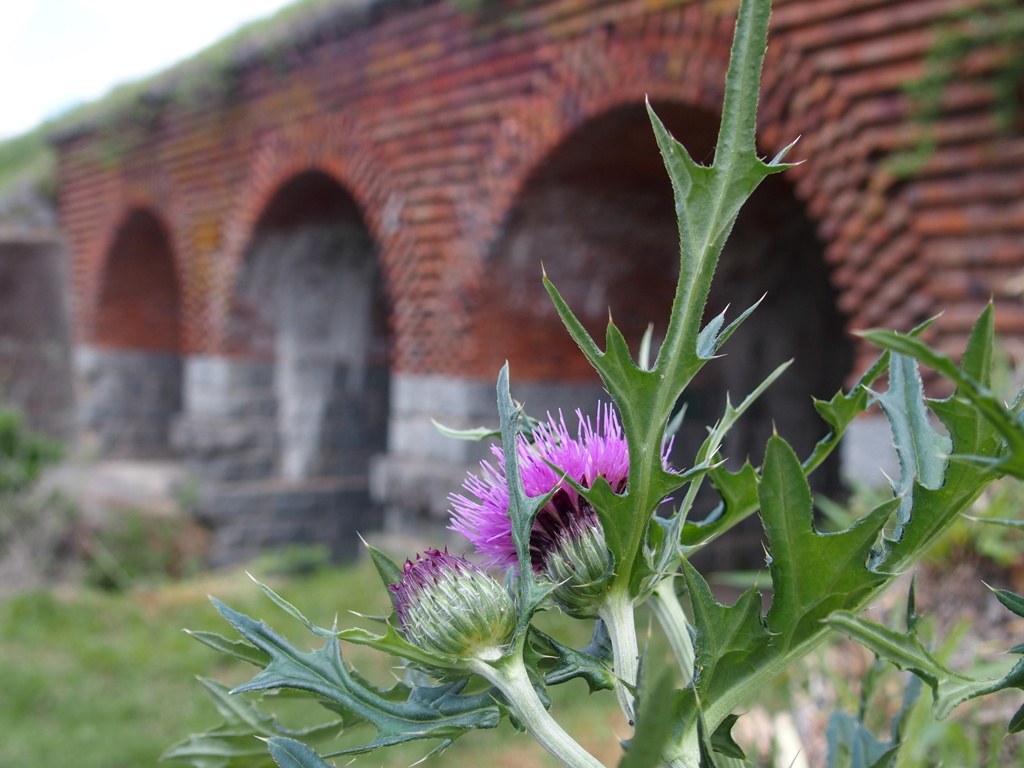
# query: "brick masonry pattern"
433,116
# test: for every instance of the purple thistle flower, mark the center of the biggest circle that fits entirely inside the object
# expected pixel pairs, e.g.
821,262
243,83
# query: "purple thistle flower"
597,450
447,605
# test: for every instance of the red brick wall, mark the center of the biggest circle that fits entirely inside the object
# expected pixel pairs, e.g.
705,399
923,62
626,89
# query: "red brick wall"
435,120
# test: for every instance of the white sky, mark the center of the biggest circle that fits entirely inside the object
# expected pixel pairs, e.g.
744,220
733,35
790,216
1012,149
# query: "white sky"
56,54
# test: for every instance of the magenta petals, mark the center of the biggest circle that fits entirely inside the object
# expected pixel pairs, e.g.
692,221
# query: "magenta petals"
598,449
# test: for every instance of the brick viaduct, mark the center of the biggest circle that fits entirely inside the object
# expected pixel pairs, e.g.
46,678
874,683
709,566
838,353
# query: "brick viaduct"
286,276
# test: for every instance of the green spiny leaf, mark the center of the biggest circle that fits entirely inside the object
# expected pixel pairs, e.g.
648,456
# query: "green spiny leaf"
1010,600
289,753
475,434
731,328
738,491
707,202
1016,722
722,741
1000,521
234,743
394,644
400,714
843,408
906,652
727,644
739,500
526,426
972,388
971,432
388,570
838,413
976,363
707,340
522,509
708,451
237,648
561,663
812,573
579,334
292,611
922,451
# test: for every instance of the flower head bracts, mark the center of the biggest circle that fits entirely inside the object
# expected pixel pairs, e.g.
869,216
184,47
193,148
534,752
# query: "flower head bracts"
598,449
447,605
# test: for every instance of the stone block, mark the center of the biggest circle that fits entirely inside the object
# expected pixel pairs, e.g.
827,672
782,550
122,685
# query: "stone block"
249,518
128,399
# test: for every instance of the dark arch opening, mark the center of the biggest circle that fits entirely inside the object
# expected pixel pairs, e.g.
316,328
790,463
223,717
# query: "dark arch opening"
139,302
131,375
310,308
599,214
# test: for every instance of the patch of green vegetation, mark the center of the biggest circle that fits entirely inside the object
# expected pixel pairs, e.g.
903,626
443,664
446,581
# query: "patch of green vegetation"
993,25
27,159
107,679
135,548
23,453
32,527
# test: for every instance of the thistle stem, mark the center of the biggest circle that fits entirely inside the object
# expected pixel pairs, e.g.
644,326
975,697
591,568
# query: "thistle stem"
669,613
509,676
617,613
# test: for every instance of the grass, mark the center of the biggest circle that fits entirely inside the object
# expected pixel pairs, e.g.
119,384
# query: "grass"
96,679
106,679
28,159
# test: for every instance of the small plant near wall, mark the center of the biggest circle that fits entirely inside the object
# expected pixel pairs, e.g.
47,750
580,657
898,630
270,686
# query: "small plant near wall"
32,526
979,42
586,516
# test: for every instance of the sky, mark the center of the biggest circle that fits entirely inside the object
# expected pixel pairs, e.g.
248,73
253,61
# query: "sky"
57,54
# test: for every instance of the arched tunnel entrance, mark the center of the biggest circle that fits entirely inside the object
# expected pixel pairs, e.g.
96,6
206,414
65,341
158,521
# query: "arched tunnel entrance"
130,375
310,299
303,390
598,214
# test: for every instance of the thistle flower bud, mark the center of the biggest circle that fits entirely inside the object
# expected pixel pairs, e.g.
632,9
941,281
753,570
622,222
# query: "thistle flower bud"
448,606
579,563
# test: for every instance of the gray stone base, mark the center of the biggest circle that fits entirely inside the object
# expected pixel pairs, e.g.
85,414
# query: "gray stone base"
228,430
247,519
127,400
422,467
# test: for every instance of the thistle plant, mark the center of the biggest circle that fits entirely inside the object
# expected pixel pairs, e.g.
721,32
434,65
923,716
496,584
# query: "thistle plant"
594,522
566,541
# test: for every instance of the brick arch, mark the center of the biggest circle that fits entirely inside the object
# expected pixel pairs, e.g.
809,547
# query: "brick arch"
129,381
325,145
527,145
157,201
604,69
861,214
803,105
139,295
696,60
